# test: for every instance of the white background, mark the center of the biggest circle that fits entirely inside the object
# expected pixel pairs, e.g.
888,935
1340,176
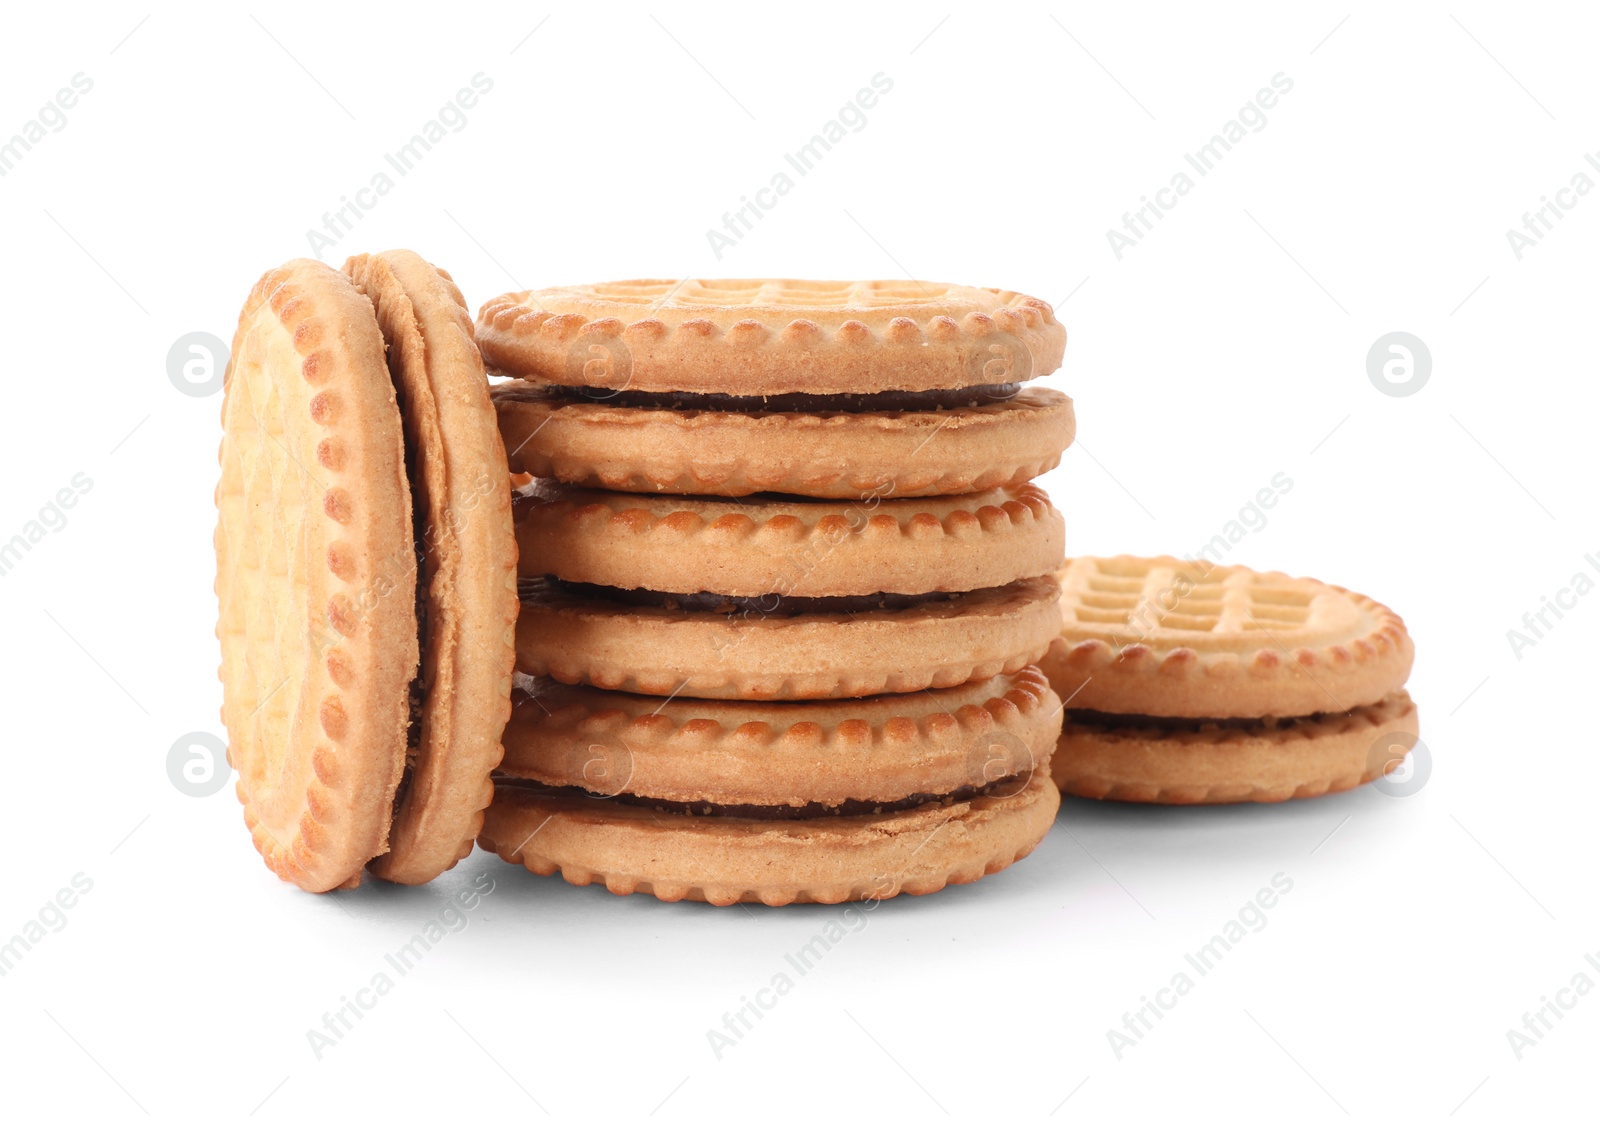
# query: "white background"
1229,345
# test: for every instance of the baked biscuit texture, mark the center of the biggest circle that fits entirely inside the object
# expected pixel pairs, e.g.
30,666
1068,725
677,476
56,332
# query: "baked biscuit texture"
724,860
847,455
1210,763
793,547
663,651
793,754
464,539
1191,639
316,576
771,336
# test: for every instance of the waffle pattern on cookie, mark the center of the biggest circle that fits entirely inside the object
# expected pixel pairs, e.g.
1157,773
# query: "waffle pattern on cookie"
1192,639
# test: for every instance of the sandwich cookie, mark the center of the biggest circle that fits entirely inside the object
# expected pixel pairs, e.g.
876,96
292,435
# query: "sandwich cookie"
1192,683
789,802
466,596
774,597
366,599
733,387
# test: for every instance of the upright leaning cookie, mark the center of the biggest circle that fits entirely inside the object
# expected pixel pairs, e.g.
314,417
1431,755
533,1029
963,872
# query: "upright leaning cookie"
316,576
735,386
467,593
1192,683
364,697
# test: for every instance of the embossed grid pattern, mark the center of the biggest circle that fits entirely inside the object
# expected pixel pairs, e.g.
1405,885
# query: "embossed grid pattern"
1143,597
663,294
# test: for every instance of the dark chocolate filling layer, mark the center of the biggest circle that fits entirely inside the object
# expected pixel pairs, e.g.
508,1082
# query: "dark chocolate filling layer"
769,604
1102,720
898,400
1005,787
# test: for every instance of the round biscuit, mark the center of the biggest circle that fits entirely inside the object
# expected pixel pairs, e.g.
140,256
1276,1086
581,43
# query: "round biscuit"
650,650
1302,757
1175,638
316,576
852,455
762,545
770,336
462,494
724,860
787,753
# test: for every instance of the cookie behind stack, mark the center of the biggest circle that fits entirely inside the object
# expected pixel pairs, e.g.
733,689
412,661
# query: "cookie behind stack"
799,669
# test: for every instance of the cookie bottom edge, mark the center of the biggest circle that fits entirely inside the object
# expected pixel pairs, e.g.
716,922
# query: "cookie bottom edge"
725,860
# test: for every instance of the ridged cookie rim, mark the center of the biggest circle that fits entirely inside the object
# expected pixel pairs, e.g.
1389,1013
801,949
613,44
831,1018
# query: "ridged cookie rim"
713,347
1090,669
439,812
690,750
600,643
824,455
348,684
1345,736
804,548
680,834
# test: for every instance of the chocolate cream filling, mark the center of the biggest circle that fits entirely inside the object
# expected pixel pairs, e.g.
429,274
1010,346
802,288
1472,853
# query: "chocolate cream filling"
1100,720
1005,787
898,400
417,692
769,604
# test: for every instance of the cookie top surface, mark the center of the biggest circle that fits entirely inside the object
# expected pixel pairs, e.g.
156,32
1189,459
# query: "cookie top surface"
771,336
460,484
789,753
1168,637
794,547
316,576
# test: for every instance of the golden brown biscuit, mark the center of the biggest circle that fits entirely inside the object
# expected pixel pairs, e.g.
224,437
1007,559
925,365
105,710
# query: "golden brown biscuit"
750,654
1186,682
788,754
723,860
767,336
794,547
852,455
461,490
1218,763
1194,639
315,576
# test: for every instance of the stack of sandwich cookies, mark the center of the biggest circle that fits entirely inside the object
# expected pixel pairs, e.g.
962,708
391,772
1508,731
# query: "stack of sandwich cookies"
365,572
823,389
777,802
1192,683
796,670
784,598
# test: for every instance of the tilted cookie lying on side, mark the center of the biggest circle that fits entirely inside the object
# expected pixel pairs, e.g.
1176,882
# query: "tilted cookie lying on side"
823,389
1192,683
